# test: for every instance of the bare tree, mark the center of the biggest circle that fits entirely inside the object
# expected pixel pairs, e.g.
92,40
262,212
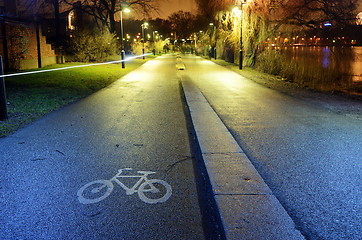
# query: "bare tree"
183,23
210,8
104,11
263,19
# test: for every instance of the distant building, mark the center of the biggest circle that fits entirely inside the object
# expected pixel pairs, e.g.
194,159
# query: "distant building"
22,43
27,41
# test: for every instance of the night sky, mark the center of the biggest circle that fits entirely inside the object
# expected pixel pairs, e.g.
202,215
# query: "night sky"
170,6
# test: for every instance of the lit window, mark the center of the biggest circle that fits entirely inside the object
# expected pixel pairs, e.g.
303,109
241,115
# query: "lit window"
71,18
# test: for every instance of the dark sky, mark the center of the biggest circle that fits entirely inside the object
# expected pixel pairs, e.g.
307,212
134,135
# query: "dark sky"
170,6
167,7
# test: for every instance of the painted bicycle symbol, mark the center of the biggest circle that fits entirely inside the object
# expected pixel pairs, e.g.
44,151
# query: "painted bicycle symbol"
149,190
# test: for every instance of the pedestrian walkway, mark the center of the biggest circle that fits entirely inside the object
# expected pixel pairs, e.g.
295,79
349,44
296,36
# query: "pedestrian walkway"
247,206
139,123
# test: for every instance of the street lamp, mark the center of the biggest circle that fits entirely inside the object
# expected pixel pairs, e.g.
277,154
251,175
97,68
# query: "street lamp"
212,32
242,2
144,25
126,10
195,38
154,42
3,102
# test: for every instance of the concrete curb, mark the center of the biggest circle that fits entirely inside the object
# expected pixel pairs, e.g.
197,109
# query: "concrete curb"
247,207
180,64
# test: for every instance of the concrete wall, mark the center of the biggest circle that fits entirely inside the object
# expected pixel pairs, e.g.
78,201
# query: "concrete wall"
33,63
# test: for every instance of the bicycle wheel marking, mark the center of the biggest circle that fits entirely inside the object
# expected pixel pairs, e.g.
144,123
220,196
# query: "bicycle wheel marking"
150,191
95,194
150,200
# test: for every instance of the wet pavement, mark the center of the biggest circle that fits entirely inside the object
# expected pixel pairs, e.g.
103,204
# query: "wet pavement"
138,122
308,155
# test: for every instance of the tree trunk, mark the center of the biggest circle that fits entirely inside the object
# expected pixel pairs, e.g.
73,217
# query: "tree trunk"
112,12
112,24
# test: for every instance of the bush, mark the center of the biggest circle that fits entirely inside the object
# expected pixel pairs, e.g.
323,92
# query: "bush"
159,45
137,48
87,46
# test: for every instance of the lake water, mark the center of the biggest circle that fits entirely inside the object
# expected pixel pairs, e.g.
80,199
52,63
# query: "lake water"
346,61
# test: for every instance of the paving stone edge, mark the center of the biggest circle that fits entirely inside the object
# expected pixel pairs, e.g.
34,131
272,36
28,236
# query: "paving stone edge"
248,209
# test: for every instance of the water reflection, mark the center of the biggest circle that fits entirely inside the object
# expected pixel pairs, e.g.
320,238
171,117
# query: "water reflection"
326,57
357,65
344,62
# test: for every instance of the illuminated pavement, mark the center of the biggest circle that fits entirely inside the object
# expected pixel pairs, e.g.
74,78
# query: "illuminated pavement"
138,123
247,206
309,155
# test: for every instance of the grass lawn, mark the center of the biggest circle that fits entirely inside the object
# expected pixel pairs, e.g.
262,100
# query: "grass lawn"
31,97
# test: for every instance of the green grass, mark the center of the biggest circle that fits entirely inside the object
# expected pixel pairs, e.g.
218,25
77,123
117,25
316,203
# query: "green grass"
31,97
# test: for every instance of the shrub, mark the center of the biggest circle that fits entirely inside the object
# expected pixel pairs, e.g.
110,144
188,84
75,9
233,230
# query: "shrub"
86,46
137,48
160,44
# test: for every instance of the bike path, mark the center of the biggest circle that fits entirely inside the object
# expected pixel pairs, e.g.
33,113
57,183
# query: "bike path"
306,147
247,207
138,122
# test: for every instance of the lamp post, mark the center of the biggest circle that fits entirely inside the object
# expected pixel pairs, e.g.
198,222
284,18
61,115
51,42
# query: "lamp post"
212,32
144,25
3,109
195,38
154,42
122,45
242,2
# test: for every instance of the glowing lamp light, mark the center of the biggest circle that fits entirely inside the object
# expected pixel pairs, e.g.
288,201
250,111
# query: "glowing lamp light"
359,19
236,9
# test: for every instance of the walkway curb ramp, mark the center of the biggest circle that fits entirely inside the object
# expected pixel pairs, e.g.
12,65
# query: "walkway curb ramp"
247,207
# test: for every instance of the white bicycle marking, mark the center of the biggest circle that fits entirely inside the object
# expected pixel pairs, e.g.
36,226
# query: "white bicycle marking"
98,190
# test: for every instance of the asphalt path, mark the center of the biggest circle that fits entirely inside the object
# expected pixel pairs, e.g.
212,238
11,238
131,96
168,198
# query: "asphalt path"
308,155
139,123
